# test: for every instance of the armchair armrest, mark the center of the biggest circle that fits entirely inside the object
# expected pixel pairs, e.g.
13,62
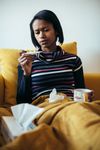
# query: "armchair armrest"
92,81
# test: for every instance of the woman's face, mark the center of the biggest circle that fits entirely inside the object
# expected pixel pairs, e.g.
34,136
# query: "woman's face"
45,34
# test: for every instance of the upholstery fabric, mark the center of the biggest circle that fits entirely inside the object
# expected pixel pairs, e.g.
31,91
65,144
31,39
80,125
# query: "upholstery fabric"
93,80
1,89
8,63
70,47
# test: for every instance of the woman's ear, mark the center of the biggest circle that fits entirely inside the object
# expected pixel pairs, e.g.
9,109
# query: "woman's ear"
57,36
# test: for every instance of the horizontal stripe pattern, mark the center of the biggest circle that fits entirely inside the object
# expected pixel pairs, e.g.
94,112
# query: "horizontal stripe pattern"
57,73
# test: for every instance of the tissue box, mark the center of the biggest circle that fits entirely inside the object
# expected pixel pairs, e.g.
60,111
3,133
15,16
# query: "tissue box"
10,129
20,122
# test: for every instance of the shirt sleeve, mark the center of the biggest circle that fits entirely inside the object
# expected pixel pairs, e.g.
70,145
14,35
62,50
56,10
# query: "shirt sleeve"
23,87
79,74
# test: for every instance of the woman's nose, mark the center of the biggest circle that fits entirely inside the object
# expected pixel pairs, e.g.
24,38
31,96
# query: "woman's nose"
42,34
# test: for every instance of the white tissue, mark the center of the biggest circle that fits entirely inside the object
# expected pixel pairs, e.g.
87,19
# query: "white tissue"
25,114
53,97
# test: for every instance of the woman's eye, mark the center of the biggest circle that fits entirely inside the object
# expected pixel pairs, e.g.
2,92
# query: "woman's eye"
37,32
45,30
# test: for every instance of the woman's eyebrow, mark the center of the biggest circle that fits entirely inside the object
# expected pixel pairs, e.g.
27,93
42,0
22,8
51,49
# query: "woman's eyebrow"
41,28
36,29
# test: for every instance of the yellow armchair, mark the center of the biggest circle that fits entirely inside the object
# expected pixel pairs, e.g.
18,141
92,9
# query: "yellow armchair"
8,74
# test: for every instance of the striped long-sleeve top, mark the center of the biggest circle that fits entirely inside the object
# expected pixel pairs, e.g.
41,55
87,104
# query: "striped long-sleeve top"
57,69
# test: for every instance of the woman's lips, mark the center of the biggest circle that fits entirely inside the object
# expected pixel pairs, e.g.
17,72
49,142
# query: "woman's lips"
44,42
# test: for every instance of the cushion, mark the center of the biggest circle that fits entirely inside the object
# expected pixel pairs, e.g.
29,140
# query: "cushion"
70,47
9,63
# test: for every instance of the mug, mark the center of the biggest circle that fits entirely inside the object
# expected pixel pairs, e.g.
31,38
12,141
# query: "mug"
83,95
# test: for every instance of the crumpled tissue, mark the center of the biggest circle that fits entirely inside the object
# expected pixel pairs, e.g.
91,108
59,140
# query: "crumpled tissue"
54,96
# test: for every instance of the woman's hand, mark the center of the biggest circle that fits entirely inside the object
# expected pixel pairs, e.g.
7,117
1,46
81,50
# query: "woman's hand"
25,60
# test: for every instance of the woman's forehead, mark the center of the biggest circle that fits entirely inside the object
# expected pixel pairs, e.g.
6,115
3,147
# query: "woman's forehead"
40,23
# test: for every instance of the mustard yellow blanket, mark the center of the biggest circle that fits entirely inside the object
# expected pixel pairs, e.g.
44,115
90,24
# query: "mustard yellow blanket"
64,125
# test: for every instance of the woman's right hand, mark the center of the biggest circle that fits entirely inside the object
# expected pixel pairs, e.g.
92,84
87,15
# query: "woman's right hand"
25,60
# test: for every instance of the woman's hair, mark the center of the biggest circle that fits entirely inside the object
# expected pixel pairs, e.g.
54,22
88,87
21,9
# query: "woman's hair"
51,17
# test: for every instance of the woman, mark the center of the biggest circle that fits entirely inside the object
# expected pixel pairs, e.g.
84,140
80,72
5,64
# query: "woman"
52,67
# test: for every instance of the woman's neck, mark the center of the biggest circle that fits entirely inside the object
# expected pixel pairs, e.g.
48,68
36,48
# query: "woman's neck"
49,49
